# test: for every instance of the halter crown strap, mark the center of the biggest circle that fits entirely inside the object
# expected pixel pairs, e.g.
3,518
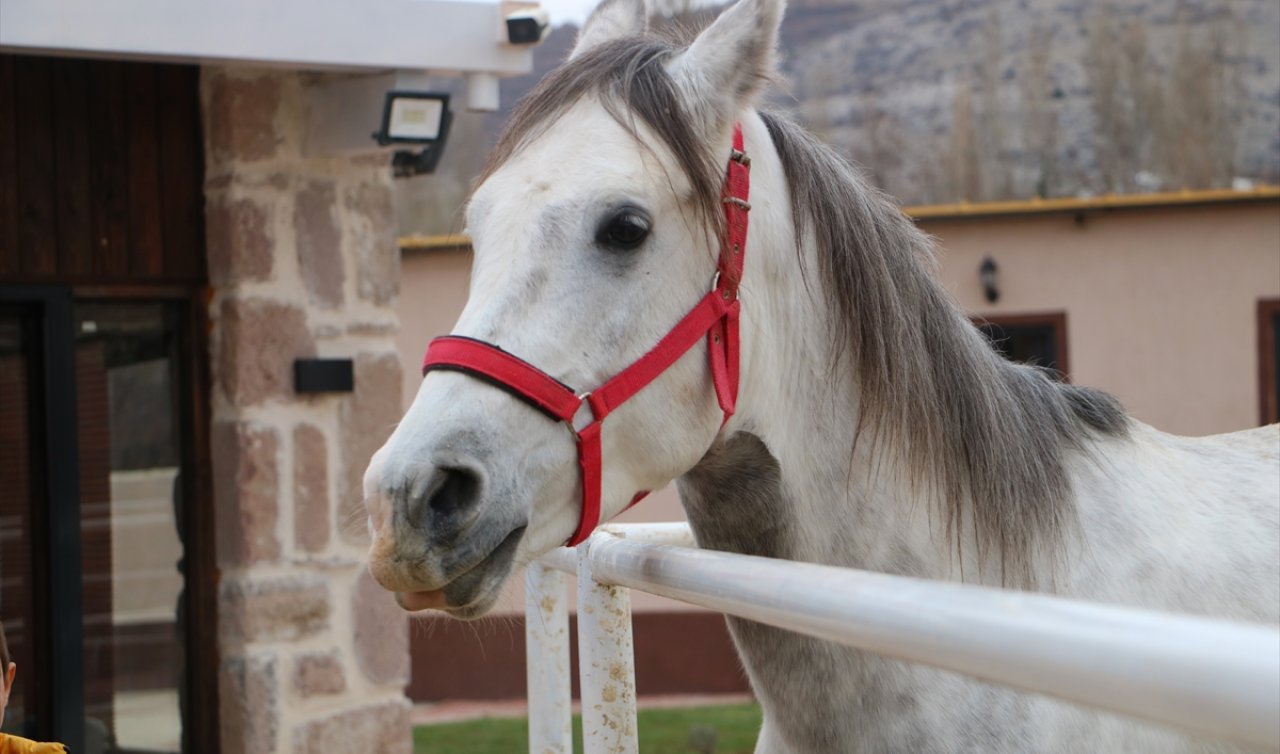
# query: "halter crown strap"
722,339
715,317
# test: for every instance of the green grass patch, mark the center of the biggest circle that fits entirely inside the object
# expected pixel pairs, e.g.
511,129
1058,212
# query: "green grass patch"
662,731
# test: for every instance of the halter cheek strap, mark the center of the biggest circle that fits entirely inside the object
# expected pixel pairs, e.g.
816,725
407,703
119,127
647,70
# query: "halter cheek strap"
715,317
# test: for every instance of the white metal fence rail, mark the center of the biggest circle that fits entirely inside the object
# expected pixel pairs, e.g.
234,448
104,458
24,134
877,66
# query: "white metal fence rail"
1216,679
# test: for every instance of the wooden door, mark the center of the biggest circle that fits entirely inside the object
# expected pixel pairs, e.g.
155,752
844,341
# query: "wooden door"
102,212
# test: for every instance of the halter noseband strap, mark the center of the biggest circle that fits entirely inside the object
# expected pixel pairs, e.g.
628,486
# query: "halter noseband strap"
715,317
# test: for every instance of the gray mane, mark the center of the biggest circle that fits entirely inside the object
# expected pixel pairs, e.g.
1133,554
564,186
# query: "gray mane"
988,439
991,436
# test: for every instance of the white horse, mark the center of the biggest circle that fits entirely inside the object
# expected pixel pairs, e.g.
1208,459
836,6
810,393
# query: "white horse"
874,427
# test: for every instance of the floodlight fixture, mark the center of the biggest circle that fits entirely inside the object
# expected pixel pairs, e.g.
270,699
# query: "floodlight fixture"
415,119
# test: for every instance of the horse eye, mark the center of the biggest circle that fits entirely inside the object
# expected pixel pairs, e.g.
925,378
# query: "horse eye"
625,230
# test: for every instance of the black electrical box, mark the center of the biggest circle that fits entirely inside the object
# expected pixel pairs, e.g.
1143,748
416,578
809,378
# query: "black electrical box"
323,375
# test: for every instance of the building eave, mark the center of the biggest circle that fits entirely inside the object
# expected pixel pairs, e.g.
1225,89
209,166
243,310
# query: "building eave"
964,210
436,35
451,242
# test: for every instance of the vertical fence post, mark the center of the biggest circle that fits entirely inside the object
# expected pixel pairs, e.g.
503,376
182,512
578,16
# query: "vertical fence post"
546,634
606,662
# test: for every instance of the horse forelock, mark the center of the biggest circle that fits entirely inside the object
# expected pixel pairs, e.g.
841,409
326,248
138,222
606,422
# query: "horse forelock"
629,78
988,439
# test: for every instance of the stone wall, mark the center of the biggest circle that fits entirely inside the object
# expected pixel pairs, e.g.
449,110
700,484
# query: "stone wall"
302,262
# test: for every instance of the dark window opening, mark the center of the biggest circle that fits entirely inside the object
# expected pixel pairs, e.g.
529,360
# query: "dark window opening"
1036,339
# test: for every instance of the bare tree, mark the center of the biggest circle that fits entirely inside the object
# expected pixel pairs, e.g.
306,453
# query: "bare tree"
965,175
1198,138
1227,35
1144,106
1040,129
1102,69
1137,128
878,146
990,138
821,82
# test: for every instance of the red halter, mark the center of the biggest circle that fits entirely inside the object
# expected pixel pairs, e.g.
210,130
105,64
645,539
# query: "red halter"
715,316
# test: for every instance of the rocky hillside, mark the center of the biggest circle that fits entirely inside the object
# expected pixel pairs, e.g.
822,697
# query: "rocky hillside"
992,99
944,100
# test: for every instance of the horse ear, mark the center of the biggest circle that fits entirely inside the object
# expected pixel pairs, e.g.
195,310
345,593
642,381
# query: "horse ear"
610,20
730,61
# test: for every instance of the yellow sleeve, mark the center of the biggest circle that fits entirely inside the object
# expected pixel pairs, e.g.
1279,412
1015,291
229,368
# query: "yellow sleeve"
15,745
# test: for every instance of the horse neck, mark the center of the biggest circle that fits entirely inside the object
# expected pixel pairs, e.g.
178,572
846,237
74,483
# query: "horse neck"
923,454
783,482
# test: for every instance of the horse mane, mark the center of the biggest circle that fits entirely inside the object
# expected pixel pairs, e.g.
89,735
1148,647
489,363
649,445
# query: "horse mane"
992,436
990,439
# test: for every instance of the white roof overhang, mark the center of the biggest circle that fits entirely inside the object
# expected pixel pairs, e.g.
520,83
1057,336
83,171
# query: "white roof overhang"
351,35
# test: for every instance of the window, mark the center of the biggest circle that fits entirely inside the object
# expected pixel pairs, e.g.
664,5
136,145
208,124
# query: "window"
1039,339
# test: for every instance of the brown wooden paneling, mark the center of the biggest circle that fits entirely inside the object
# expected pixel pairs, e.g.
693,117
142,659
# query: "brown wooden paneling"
181,171
37,249
110,173
101,172
70,110
8,171
675,652
145,216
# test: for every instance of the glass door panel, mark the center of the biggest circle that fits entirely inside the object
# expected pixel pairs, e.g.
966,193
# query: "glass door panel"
128,373
18,362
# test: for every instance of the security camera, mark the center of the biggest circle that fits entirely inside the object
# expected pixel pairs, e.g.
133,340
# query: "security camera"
527,27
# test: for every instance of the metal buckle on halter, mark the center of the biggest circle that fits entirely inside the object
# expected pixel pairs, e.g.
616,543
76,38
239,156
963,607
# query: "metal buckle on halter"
740,157
728,294
572,423
742,204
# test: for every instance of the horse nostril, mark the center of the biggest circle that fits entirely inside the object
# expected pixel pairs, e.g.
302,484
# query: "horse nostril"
455,491
440,504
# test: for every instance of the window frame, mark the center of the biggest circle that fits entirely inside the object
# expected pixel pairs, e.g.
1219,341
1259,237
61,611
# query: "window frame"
1268,395
1056,319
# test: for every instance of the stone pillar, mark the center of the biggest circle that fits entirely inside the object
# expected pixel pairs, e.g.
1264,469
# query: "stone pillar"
303,262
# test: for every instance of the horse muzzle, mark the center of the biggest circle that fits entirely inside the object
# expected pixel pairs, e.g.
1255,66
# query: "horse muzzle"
439,540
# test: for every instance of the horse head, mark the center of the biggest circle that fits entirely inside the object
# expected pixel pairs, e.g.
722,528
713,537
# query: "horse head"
596,227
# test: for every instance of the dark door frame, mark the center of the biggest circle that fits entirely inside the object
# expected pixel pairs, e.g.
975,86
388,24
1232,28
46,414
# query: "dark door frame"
61,697
1268,395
